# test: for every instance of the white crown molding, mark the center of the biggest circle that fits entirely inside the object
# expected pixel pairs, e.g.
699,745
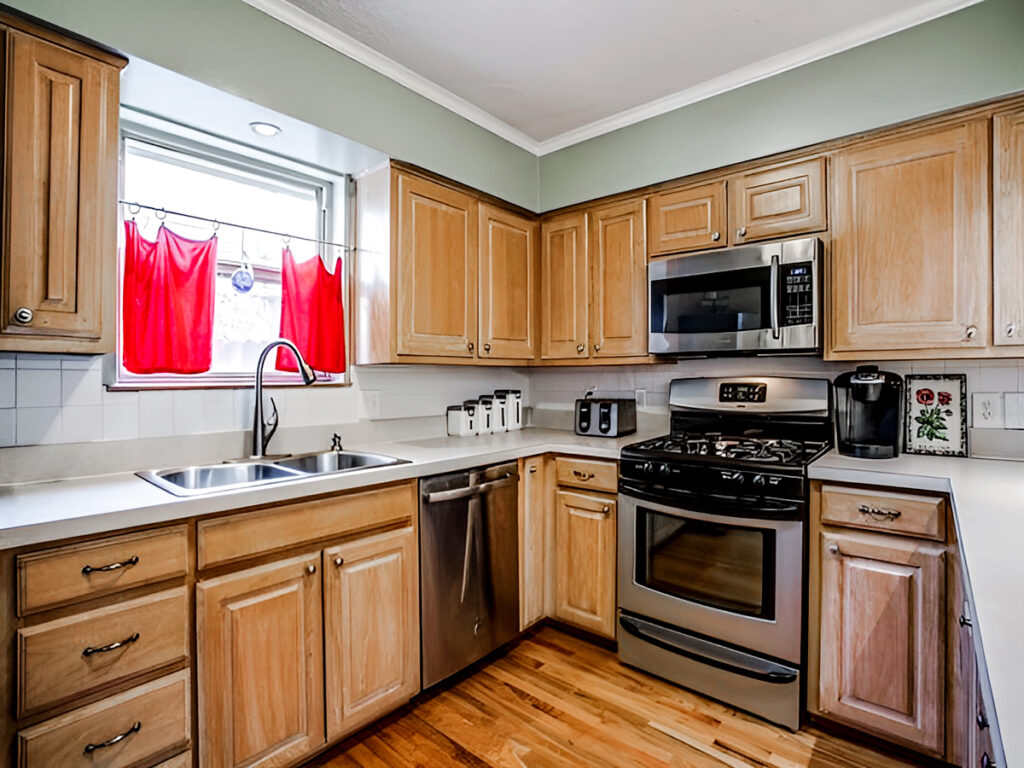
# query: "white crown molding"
310,25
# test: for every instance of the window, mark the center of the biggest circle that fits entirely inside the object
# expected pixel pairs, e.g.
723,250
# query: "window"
213,182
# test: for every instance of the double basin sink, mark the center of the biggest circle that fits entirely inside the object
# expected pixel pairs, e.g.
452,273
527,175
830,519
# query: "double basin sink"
213,478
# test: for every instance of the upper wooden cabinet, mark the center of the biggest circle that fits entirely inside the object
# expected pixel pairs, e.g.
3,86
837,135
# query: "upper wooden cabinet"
911,258
1008,228
59,195
565,295
618,280
509,248
690,219
778,201
437,270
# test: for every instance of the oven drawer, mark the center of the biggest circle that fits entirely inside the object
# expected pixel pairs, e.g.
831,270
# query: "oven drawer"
909,514
587,473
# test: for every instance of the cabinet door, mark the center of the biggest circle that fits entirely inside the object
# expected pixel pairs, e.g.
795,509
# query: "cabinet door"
882,636
618,271
508,285
437,270
564,287
534,500
778,202
60,187
1008,228
260,665
691,219
911,263
585,548
371,626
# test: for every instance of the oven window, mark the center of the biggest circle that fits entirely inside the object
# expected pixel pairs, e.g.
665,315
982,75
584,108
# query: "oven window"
729,567
723,302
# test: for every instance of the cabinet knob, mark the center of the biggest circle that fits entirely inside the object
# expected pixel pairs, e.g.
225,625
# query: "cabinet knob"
987,762
606,509
1011,330
580,347
310,569
471,346
487,348
982,721
597,347
339,561
833,549
741,232
964,621
23,315
716,236
533,470
972,331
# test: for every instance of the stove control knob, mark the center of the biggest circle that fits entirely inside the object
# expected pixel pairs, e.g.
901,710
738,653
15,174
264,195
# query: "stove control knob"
646,467
663,468
758,479
733,477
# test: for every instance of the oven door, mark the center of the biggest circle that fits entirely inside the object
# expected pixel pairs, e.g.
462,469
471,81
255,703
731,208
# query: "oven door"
737,578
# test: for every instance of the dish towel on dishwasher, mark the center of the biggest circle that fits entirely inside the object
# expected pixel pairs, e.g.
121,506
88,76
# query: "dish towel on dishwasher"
312,314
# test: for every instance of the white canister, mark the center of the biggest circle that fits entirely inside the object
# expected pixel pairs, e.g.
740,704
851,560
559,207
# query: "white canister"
513,407
458,421
485,416
499,411
472,410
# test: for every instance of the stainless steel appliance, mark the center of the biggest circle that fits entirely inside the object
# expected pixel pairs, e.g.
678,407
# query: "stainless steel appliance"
751,299
469,579
712,540
869,413
605,417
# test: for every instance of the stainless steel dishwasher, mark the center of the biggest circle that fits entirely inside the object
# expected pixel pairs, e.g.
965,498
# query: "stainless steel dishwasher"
469,578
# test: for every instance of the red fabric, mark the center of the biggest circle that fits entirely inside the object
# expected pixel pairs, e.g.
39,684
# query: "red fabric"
312,314
167,313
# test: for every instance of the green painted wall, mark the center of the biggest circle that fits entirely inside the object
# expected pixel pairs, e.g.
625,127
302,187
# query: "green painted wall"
972,55
234,47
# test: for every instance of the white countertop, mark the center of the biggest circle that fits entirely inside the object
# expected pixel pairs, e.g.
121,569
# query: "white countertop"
988,507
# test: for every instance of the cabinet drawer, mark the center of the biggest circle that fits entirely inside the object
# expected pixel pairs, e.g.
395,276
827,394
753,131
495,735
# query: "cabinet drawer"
585,473
78,572
184,760
144,724
911,514
68,657
236,537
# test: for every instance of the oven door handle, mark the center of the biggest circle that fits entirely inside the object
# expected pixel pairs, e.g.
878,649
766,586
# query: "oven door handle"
709,653
722,506
773,301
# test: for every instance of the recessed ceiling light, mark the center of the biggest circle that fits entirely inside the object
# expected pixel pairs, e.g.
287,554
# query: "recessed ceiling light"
265,129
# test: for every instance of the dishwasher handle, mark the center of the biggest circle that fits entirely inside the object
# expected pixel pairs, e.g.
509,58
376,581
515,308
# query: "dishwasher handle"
472,490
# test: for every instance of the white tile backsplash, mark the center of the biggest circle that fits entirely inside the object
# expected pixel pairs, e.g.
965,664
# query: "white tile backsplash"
37,388
38,426
120,421
81,423
156,414
7,377
80,386
8,433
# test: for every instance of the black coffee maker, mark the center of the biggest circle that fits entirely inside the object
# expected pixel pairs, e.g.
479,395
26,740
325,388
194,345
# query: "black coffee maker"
869,413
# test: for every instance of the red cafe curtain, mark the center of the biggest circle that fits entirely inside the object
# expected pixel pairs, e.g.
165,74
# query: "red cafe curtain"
168,296
312,314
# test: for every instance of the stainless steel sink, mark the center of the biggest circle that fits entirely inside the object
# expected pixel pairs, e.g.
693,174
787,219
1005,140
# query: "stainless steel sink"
212,478
327,462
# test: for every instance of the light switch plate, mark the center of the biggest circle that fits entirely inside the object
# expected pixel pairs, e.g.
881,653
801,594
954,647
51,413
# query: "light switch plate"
987,410
641,398
1013,408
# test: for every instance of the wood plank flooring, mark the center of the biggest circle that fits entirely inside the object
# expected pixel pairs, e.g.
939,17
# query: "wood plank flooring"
556,700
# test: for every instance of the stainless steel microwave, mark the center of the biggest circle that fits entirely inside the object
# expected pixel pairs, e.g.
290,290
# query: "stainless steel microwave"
758,299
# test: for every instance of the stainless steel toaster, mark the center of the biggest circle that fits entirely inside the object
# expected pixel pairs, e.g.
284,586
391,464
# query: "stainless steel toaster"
605,417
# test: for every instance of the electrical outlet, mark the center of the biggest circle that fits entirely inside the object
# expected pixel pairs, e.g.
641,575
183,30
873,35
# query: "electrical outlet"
987,410
641,398
371,402
1013,407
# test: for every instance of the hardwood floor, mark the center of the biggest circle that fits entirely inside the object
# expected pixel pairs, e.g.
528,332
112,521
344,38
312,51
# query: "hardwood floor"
556,700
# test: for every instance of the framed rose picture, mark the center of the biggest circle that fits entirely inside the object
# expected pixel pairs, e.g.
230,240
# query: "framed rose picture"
936,414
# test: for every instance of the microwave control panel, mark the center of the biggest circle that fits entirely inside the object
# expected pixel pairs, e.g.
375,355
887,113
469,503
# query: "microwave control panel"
797,294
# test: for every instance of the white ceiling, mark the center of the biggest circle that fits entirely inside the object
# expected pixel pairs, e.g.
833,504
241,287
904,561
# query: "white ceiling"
546,74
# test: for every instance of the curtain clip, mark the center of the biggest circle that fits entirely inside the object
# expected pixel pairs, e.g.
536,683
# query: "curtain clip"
161,214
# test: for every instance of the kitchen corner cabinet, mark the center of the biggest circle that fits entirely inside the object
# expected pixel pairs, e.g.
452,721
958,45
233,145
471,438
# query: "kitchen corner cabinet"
689,219
911,254
371,628
260,665
1008,228
59,239
509,250
565,293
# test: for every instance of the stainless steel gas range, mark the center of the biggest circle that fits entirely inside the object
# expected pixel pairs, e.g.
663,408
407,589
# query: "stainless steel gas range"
712,550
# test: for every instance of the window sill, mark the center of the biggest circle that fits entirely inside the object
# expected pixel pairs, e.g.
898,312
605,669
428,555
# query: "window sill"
219,382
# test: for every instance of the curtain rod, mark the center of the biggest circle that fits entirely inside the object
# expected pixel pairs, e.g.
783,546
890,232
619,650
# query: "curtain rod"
217,223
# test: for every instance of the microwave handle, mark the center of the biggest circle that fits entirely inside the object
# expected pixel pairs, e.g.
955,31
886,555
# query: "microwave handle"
773,302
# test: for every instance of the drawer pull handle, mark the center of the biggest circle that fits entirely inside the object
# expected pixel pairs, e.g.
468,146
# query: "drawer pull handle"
112,647
90,748
879,514
133,560
584,476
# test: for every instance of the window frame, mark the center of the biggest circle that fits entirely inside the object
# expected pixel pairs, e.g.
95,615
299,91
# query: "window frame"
336,199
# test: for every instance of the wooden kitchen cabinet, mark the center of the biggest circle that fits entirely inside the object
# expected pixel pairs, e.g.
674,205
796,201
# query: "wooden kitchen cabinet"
59,241
565,291
585,555
371,628
618,280
509,251
778,201
882,649
1008,228
260,665
911,259
689,219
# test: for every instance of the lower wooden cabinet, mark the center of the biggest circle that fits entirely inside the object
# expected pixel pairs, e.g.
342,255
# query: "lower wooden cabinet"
260,665
585,561
371,628
534,503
